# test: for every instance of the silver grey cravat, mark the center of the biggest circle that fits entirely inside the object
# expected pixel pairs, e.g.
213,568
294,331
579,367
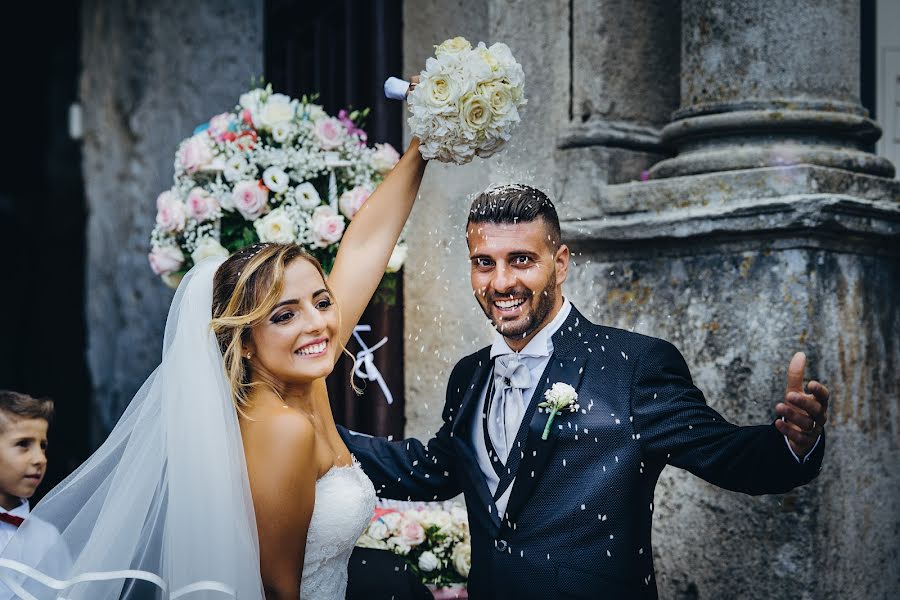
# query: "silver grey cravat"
511,378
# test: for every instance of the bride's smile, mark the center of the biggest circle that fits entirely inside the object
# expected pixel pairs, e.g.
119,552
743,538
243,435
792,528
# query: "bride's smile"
293,345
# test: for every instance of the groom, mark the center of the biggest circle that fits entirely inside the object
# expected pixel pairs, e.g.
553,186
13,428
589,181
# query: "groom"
569,516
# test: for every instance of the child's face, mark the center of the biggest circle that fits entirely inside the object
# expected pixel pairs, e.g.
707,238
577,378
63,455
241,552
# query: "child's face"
23,458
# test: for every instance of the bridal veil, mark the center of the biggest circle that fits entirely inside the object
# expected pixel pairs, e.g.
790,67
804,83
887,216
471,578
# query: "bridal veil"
162,509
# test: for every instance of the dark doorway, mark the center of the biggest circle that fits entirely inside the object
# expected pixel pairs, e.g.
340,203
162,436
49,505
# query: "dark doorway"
344,50
42,235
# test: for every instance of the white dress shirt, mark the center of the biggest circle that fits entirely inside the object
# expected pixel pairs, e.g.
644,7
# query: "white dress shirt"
536,354
39,538
8,529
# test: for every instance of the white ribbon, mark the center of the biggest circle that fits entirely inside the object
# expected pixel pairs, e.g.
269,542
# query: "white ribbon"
365,362
332,162
395,88
59,584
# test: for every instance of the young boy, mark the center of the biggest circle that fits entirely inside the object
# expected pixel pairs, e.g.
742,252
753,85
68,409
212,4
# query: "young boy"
23,456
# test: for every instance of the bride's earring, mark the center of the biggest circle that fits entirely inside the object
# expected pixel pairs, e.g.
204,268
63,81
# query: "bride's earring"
248,356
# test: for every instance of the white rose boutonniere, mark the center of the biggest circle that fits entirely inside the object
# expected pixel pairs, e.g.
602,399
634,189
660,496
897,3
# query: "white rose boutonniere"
561,396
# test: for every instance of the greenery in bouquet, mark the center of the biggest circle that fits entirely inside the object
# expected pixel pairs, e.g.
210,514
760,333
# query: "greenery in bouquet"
274,169
434,541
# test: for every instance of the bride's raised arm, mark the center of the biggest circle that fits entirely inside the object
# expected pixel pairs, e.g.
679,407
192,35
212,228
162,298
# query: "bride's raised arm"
369,240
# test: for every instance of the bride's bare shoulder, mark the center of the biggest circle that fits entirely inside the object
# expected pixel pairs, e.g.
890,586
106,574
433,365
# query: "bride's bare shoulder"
280,427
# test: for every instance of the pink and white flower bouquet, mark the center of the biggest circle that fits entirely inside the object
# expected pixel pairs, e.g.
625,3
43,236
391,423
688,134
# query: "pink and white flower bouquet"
273,169
434,539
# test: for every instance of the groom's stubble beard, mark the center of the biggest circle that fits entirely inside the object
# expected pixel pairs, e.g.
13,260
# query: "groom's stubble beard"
543,302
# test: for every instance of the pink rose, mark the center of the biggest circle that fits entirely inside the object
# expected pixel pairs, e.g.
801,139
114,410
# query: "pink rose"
327,227
166,259
329,131
352,200
384,158
195,153
170,212
201,206
250,198
412,534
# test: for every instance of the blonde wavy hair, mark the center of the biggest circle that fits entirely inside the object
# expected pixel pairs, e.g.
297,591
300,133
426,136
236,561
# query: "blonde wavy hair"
246,288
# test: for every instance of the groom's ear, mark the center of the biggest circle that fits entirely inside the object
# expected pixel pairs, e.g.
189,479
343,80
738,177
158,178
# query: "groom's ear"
561,261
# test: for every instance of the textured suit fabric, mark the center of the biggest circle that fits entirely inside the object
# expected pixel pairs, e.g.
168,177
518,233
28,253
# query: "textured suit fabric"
579,517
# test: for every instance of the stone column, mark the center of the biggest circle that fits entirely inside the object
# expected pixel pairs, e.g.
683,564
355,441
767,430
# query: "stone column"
152,72
767,84
773,230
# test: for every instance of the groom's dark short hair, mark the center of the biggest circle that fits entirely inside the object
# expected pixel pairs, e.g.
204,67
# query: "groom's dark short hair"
516,203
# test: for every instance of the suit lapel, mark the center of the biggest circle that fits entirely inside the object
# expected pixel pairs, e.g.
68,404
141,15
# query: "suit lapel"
462,438
567,366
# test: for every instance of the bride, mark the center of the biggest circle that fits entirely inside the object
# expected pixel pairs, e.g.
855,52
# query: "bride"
226,476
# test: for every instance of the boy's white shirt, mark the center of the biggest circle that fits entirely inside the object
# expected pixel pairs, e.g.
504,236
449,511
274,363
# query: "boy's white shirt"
8,529
41,537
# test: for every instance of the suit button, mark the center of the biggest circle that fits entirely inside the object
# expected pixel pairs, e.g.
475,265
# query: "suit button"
500,545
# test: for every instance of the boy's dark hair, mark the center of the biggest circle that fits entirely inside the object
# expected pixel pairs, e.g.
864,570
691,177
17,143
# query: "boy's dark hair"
516,203
23,406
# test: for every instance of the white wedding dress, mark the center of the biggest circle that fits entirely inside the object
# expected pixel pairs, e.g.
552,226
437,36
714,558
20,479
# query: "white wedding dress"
155,513
345,502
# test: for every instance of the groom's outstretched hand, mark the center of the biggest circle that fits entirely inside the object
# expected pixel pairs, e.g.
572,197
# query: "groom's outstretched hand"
803,413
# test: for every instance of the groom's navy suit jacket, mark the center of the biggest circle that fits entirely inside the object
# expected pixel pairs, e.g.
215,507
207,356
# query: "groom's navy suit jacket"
579,516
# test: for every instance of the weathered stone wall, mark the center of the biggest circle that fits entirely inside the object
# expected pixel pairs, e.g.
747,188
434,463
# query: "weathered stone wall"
738,312
151,73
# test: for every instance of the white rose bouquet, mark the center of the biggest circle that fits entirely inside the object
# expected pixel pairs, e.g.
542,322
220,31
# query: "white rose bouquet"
274,169
467,101
434,540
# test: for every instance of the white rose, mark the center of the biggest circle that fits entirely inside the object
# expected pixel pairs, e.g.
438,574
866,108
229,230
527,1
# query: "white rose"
276,179
378,530
393,520
207,247
307,196
276,227
250,99
315,113
462,558
439,92
452,46
475,112
499,96
428,562
277,109
398,257
437,518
